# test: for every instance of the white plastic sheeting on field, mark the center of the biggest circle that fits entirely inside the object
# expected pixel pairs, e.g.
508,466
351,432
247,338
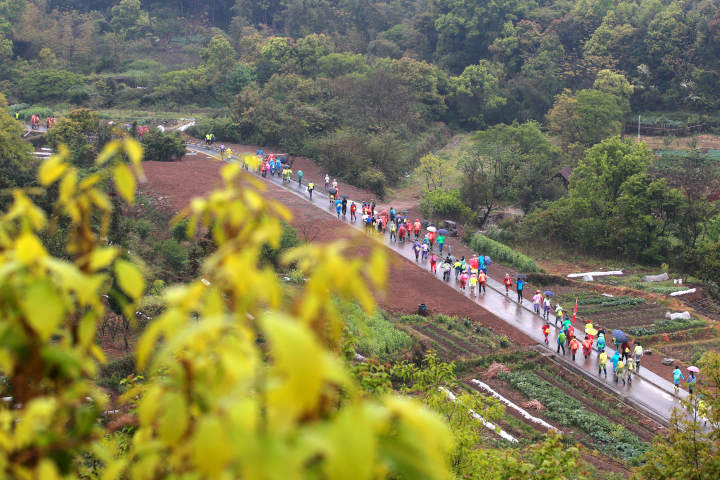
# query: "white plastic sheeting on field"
489,425
682,292
675,316
656,278
595,274
510,404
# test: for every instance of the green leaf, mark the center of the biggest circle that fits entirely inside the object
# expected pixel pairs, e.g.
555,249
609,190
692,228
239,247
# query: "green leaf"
173,419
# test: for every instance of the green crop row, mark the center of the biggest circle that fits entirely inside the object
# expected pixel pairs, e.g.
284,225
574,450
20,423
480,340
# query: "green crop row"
502,253
374,335
665,325
610,438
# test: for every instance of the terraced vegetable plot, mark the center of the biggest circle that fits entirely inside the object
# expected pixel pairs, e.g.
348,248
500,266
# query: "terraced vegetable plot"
453,338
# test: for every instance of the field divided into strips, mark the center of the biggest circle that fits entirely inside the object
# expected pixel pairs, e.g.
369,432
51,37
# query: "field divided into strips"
476,349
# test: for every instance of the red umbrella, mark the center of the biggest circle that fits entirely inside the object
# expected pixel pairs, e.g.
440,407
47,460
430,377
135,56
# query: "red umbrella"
474,263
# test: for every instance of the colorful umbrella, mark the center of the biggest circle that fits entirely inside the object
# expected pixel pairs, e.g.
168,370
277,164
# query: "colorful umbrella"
591,331
694,369
431,229
442,231
488,261
548,293
522,276
620,336
474,263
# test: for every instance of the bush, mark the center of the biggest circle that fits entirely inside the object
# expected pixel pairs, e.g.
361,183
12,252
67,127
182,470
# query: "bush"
141,227
113,372
446,204
502,253
373,180
42,112
163,147
376,337
288,239
225,129
173,253
49,84
179,230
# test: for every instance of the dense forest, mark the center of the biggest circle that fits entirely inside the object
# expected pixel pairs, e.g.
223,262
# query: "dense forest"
366,88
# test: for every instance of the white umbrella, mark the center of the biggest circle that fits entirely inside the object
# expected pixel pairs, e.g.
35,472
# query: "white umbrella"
431,229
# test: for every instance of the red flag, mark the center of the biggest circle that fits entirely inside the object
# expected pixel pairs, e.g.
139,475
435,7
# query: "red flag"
575,312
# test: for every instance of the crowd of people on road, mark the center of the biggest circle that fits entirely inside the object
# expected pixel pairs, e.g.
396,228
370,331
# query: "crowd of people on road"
471,275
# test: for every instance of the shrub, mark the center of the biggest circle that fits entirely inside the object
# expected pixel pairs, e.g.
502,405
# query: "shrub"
141,227
179,230
113,372
373,180
49,84
446,204
502,253
42,112
288,239
225,129
163,147
375,336
174,254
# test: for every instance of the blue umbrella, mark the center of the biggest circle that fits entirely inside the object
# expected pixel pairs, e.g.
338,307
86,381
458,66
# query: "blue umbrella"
548,293
620,336
488,261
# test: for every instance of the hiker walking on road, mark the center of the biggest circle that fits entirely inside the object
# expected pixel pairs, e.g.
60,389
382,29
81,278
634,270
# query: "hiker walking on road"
338,207
327,182
446,268
558,314
353,212
310,188
615,360
507,281
620,372
441,242
536,300
547,307
677,376
425,249
473,284
300,175
520,285
418,226
546,332
630,367
393,232
344,207
587,347
602,363
416,249
574,346
463,280
601,343
402,231
638,354
482,281
561,342
691,382
433,264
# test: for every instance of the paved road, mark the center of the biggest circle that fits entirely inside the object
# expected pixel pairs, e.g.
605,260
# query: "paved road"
648,390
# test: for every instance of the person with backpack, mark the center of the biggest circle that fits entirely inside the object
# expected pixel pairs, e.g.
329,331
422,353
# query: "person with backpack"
638,354
547,308
353,212
561,342
601,343
300,175
546,332
417,226
574,346
446,269
615,360
558,315
433,264
441,242
310,189
344,208
536,300
677,376
520,285
338,207
416,248
691,382
463,278
507,281
425,250
620,371
473,284
630,368
482,281
602,363
587,347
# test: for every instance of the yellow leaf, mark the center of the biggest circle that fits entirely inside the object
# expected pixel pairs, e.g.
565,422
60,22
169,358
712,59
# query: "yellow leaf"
125,182
110,150
173,418
102,257
51,170
29,249
47,470
68,185
211,450
130,279
134,150
86,330
43,308
378,268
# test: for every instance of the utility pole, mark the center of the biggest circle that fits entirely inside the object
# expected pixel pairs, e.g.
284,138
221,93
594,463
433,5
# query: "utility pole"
638,127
